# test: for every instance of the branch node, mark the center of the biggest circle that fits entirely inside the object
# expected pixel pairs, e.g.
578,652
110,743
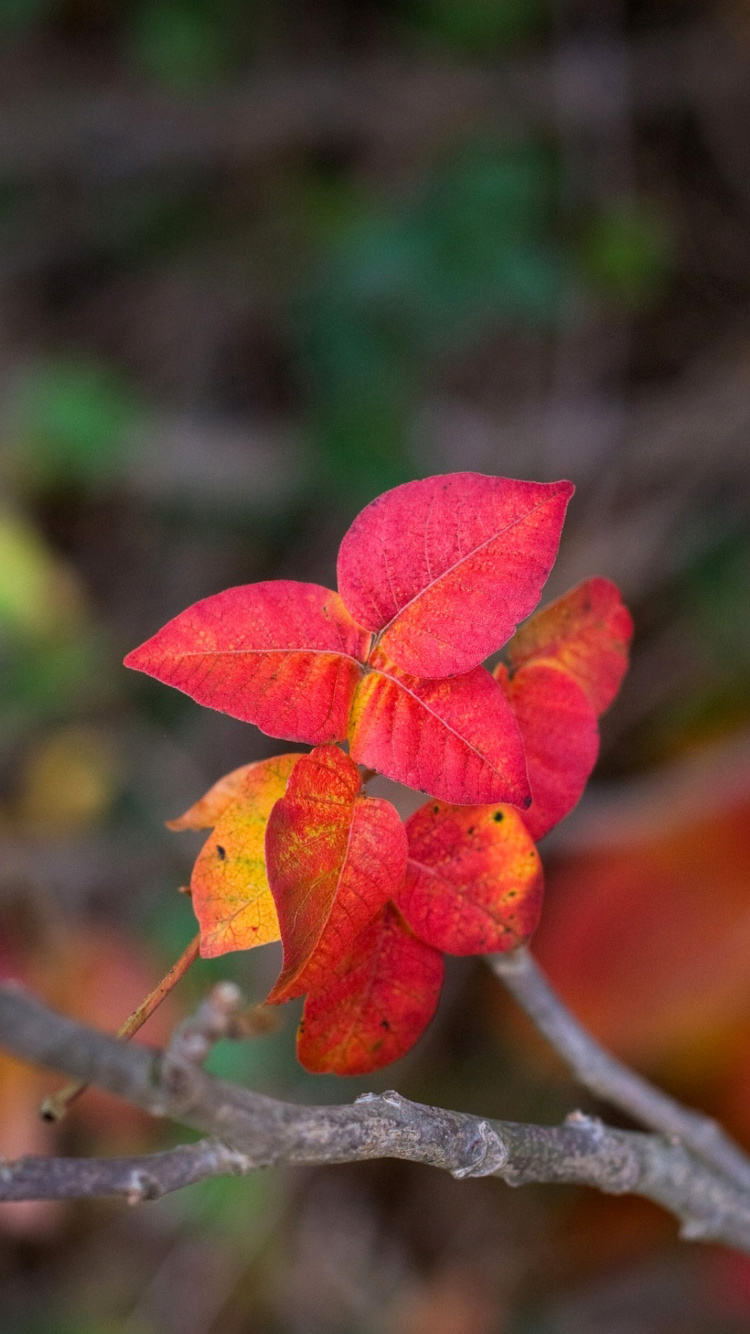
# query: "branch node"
696,1229
391,1097
489,1154
142,1187
214,1019
581,1121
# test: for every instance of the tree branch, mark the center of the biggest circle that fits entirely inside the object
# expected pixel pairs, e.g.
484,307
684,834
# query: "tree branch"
248,1131
143,1177
608,1078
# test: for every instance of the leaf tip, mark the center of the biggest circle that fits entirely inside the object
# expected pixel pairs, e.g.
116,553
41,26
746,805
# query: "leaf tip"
135,659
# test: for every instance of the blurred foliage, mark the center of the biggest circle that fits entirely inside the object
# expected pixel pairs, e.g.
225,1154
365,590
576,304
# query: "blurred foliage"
628,254
68,780
72,424
18,14
246,253
474,247
188,44
38,592
481,27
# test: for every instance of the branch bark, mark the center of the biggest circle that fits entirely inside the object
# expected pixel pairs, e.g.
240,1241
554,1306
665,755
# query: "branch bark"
247,1131
608,1078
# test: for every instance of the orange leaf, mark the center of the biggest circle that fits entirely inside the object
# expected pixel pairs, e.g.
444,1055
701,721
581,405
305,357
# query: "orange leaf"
375,1004
588,632
230,893
455,738
474,879
334,858
208,810
446,567
560,737
283,655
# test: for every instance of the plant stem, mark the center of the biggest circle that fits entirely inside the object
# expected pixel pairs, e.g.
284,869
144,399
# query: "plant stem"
56,1105
249,1131
606,1077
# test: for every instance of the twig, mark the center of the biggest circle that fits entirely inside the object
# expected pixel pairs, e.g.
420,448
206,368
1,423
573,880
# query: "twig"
249,1131
56,1105
608,1078
144,1177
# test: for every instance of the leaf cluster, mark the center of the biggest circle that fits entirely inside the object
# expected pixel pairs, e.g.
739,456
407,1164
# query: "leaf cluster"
434,577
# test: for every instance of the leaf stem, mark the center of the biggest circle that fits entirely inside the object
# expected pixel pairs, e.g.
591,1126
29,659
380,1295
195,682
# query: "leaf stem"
56,1105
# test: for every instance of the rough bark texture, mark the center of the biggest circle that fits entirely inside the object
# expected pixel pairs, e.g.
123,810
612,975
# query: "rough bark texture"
608,1078
247,1130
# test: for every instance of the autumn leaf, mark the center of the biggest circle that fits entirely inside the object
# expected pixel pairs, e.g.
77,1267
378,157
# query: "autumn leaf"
474,879
334,857
283,655
560,738
445,568
566,665
588,632
374,1005
229,887
456,738
208,810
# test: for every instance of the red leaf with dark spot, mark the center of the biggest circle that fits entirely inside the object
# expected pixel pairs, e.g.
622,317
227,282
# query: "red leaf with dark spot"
374,1004
474,880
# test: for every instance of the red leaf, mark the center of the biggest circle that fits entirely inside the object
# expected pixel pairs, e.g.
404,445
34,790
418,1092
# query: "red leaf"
560,737
455,738
230,893
375,1004
588,632
448,566
334,857
283,655
474,880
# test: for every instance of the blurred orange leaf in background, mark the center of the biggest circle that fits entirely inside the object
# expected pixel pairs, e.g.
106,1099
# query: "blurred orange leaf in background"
94,974
646,932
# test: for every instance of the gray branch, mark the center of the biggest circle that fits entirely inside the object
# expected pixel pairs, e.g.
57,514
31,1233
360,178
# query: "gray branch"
247,1131
143,1177
608,1078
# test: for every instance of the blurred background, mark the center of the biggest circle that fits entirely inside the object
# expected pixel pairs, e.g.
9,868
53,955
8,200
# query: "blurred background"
259,262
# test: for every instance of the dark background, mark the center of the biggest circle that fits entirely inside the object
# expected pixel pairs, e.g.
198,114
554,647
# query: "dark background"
259,262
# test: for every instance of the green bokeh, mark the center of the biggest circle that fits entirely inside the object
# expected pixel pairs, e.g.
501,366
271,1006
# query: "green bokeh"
74,423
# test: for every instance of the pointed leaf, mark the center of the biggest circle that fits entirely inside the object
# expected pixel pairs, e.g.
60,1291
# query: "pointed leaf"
447,567
474,879
560,737
229,886
588,632
375,1004
283,655
455,738
334,858
208,810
